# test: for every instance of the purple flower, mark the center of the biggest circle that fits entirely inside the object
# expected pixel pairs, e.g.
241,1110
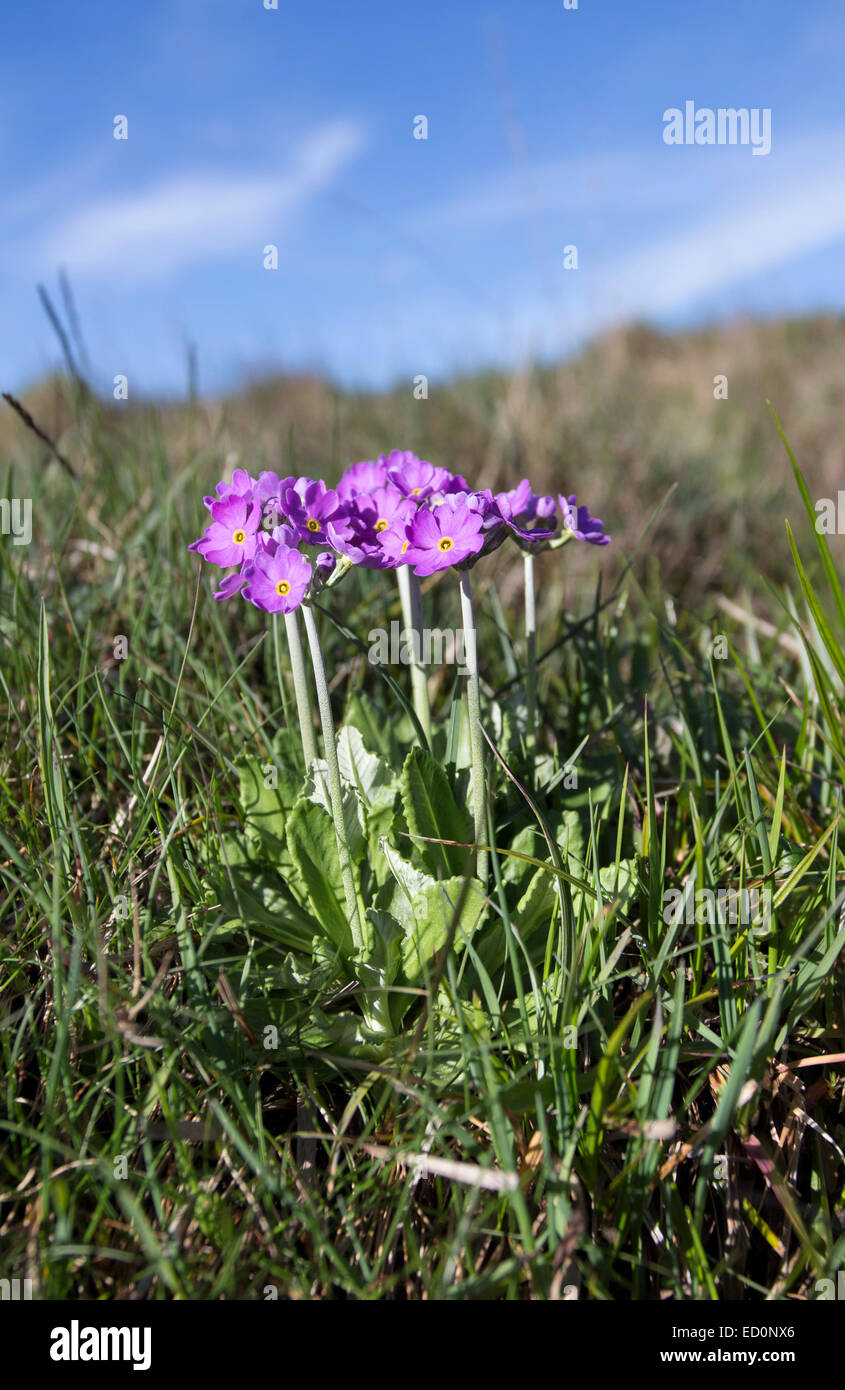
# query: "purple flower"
269,491
444,536
358,534
520,506
271,486
230,585
455,483
280,535
415,477
242,485
362,477
231,537
394,543
578,520
277,580
309,506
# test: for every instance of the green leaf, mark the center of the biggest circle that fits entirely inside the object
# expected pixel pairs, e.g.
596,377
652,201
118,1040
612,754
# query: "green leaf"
371,777
821,540
264,806
313,849
832,646
381,1005
431,810
528,841
535,907
354,817
428,920
375,725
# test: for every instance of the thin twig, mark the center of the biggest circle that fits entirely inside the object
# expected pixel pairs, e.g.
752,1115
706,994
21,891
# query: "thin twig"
36,429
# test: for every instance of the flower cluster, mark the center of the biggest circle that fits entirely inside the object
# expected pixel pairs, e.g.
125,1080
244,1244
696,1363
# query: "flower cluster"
392,511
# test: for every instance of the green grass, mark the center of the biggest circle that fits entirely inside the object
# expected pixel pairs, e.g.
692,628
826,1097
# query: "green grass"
580,1098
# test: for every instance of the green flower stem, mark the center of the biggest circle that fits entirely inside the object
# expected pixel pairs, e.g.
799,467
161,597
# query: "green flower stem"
530,657
333,772
300,685
476,741
412,619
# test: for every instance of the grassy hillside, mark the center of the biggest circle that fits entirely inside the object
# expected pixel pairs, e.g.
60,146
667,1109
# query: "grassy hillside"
625,421
569,1091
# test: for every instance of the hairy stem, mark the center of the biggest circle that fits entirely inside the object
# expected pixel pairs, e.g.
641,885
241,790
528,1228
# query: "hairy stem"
476,742
333,773
530,658
301,689
412,619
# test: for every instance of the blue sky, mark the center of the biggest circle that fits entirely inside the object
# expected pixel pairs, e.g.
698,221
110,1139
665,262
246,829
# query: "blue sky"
249,127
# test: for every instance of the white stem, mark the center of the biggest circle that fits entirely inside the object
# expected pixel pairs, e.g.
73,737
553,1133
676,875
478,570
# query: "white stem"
530,655
412,619
333,774
301,690
476,741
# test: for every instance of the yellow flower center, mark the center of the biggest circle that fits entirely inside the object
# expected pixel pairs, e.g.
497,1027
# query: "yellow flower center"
404,546
446,543
283,587
381,524
312,524
239,537
415,491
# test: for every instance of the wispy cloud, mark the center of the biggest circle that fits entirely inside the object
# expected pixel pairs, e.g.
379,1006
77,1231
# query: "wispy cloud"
725,239
736,244
194,218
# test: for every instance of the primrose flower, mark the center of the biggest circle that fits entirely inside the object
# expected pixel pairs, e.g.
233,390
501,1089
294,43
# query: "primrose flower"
443,536
455,483
415,477
231,537
367,516
269,491
580,524
520,506
362,477
521,503
280,535
230,585
394,544
242,485
309,506
277,579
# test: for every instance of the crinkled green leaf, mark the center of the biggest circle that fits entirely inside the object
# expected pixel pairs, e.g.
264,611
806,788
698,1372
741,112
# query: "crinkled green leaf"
432,811
313,849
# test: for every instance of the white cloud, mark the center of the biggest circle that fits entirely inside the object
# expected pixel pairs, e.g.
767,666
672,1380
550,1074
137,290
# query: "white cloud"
723,221
196,217
737,244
